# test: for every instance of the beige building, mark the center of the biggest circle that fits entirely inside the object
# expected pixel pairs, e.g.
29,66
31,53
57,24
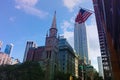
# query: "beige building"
0,44
6,59
76,66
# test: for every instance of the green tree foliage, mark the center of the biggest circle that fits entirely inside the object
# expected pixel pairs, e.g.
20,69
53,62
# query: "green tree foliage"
97,77
24,71
61,76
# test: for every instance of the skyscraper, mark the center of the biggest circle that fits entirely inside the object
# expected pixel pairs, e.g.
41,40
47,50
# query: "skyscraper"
110,17
102,39
29,44
112,28
80,37
100,67
8,49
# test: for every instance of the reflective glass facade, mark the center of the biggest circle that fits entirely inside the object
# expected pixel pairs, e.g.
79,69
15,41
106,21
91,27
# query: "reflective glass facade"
80,41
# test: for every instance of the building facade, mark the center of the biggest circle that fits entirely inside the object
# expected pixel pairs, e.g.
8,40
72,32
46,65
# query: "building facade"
112,28
5,59
98,8
76,65
67,57
51,50
30,44
47,55
100,67
8,49
80,41
0,45
15,61
80,37
110,17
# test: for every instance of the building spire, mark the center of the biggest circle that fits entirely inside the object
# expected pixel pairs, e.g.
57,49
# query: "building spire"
54,21
53,29
47,34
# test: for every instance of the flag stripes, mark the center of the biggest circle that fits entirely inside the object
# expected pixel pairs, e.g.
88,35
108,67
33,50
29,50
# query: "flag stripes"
82,16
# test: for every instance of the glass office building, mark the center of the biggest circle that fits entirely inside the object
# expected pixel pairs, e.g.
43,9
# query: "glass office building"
8,49
80,41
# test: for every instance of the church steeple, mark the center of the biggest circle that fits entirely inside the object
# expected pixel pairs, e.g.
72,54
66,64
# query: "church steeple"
54,21
53,29
51,51
47,34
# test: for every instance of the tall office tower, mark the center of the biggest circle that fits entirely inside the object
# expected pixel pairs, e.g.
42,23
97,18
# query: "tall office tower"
51,51
110,17
8,49
112,28
80,37
100,67
29,44
0,45
102,39
67,57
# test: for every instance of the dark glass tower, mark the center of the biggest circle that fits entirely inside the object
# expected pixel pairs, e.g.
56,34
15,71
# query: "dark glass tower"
8,49
102,39
108,15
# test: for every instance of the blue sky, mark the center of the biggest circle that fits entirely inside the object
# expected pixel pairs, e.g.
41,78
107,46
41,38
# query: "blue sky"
23,20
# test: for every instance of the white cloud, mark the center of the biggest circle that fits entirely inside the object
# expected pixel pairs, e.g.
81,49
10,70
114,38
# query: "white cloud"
93,42
70,4
27,2
28,6
68,30
92,35
70,37
68,27
93,45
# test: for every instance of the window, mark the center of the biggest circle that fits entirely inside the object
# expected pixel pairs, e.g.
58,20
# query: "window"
49,54
63,68
63,63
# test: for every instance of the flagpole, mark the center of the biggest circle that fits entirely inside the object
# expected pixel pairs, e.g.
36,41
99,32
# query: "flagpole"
87,9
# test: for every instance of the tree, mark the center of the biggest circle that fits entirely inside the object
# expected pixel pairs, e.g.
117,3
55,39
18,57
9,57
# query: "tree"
24,71
89,72
97,77
62,76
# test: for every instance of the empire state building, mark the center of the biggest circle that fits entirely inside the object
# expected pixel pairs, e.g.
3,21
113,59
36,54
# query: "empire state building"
80,37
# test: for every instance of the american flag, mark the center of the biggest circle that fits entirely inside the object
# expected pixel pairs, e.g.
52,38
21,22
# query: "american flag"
82,16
